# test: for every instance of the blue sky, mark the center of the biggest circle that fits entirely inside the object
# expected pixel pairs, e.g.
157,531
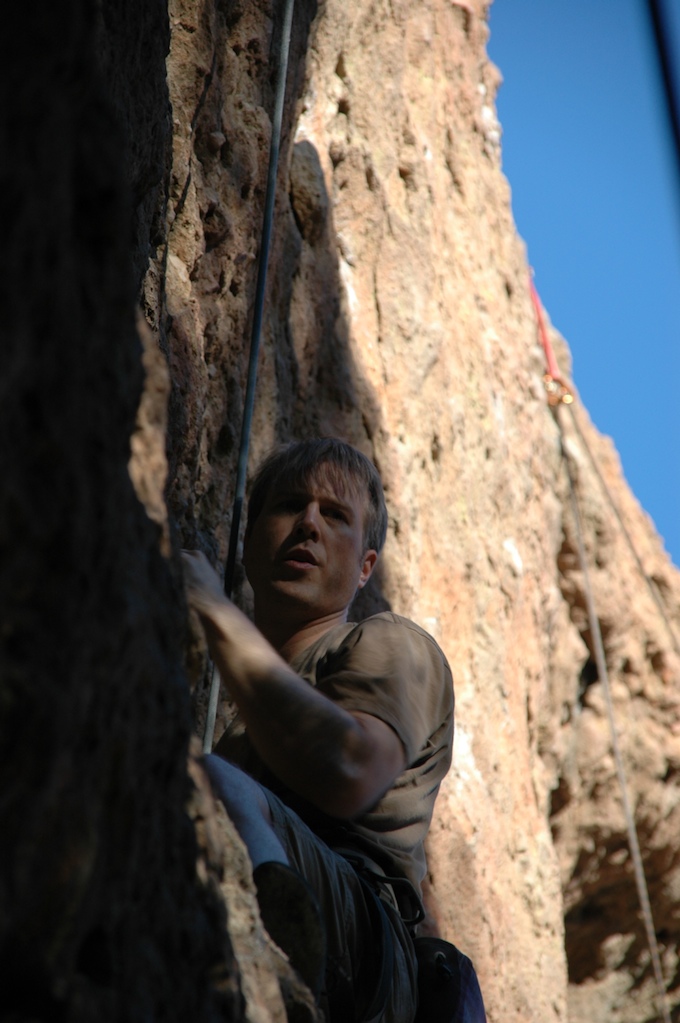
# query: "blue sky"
596,197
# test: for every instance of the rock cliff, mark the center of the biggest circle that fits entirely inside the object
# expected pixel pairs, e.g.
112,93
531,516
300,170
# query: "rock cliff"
398,316
105,914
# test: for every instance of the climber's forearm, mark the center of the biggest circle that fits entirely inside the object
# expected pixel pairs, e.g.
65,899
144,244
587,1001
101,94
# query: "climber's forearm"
339,761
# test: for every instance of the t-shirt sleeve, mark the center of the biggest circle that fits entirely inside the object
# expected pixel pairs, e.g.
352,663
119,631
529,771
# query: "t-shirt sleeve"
388,667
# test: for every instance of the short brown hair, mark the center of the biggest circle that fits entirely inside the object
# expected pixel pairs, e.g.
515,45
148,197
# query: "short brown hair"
296,463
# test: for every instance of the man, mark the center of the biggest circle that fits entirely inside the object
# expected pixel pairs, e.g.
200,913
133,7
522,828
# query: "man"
345,731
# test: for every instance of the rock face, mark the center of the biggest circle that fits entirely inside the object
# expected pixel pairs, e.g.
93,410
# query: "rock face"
104,914
398,316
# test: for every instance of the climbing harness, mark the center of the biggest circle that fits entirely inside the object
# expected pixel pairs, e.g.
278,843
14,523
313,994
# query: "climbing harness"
554,385
448,988
249,403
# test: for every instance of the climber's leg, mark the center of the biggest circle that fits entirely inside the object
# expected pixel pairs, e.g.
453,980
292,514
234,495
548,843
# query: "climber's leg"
295,874
247,806
288,906
356,952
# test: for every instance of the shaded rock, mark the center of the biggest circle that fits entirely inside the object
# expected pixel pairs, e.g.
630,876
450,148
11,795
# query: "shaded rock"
104,915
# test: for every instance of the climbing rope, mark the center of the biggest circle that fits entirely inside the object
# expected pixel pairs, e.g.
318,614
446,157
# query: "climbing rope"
650,583
249,403
556,388
553,377
559,393
603,676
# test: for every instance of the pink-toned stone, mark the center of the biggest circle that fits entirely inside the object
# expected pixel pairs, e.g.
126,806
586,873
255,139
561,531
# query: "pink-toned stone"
399,316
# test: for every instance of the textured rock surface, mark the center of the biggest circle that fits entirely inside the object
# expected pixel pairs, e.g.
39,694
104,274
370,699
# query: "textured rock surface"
103,914
398,316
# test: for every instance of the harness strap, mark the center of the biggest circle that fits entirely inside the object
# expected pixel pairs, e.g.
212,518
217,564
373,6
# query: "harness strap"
383,930
397,891
402,897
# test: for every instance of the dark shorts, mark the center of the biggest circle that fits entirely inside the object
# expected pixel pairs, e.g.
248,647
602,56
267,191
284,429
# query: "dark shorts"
357,951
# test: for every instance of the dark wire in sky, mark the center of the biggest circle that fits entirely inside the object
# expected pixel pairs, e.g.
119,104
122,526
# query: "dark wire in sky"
664,49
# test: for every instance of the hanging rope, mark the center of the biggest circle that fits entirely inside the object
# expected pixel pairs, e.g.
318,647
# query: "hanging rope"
249,403
650,583
554,385
559,393
603,676
602,672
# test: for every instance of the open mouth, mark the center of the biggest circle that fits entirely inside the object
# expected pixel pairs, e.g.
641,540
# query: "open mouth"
300,557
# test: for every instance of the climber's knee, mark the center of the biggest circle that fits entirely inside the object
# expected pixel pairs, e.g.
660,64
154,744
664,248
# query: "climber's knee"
246,803
241,795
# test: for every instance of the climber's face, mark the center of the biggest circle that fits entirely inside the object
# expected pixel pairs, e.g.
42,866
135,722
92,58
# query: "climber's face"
304,554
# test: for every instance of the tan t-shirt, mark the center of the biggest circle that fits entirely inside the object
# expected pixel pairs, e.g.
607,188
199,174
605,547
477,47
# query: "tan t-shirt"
388,667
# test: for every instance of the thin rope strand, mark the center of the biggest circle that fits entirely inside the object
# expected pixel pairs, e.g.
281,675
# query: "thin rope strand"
558,394
628,538
556,400
249,403
600,660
